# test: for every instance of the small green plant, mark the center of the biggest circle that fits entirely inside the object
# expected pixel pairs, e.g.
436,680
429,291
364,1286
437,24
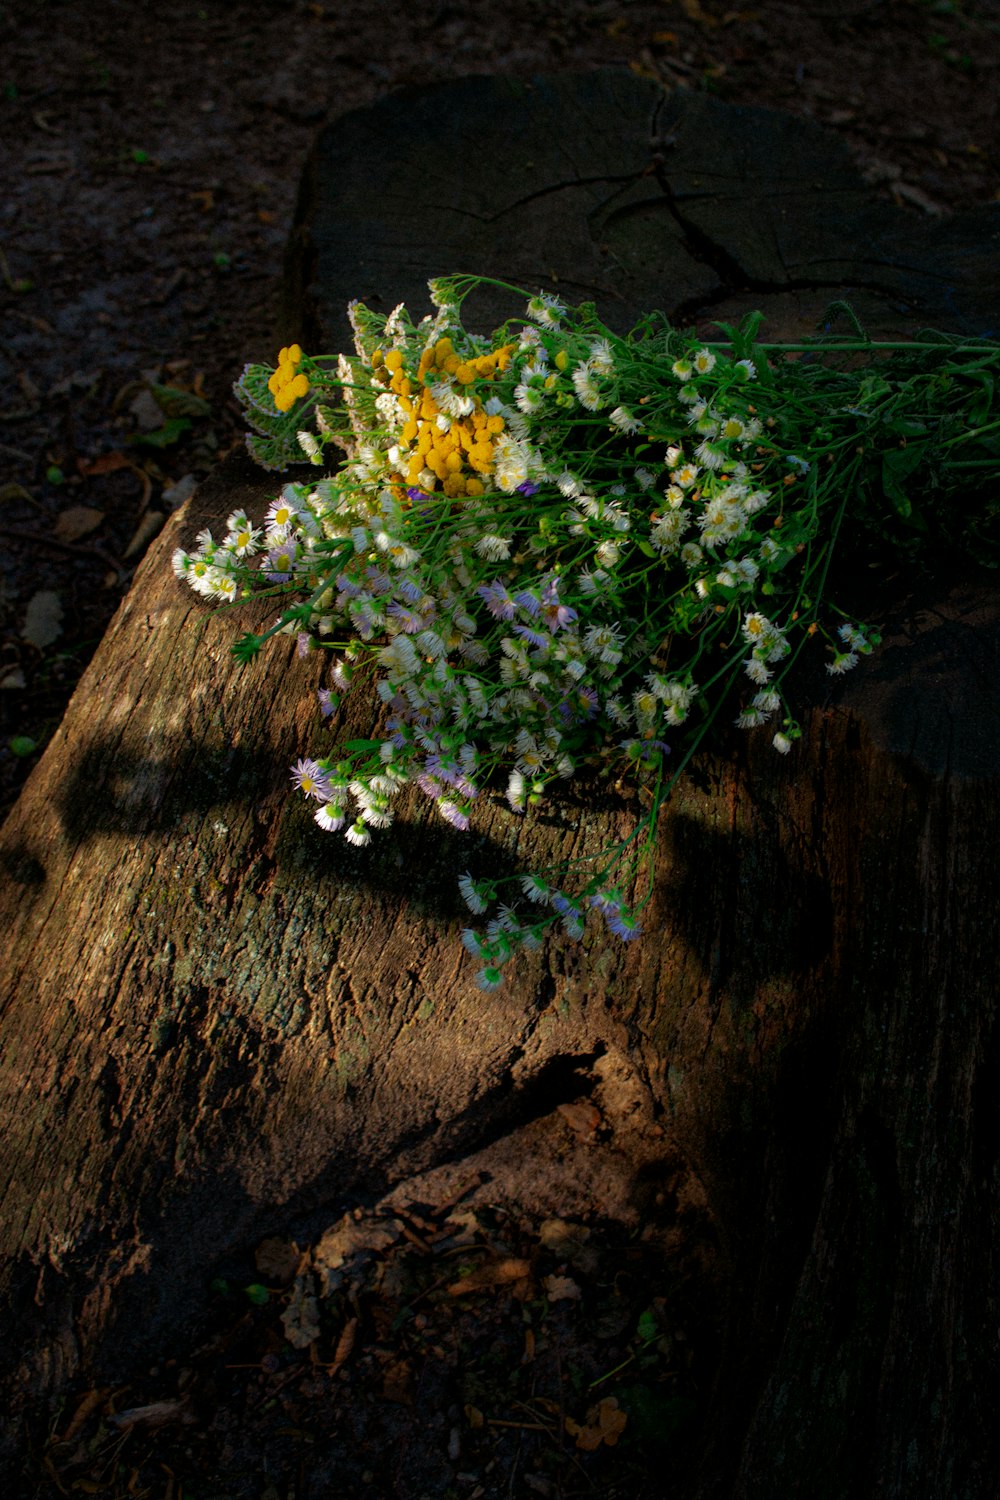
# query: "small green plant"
557,553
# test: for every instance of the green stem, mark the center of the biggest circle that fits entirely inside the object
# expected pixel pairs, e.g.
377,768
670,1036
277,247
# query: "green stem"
298,612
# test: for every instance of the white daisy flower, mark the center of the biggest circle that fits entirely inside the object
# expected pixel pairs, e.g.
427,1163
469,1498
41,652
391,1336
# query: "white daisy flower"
471,894
600,358
624,420
587,391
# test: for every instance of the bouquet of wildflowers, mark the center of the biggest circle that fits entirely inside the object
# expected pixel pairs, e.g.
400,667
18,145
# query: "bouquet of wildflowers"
555,552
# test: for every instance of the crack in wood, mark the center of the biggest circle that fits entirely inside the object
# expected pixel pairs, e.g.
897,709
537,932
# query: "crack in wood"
733,277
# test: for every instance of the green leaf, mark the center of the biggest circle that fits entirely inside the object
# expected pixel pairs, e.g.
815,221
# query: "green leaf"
749,329
744,337
246,648
897,465
356,745
906,427
257,1294
727,330
647,549
22,744
648,1328
979,413
174,402
163,436
653,1416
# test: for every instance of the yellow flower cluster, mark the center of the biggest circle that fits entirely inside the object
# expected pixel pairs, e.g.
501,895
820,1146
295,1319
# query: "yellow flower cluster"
459,451
288,383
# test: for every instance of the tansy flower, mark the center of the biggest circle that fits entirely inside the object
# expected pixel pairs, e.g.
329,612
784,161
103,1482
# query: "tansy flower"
288,383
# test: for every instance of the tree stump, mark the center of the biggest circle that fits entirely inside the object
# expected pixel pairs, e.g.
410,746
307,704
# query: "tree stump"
215,1018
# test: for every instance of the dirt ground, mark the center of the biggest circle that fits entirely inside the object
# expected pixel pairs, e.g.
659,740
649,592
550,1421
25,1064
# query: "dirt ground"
149,159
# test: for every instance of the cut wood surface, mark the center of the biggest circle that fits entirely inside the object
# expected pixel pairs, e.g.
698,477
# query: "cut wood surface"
216,1018
605,189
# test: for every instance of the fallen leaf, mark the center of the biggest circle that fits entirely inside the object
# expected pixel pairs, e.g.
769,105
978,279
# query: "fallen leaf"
13,680
915,195
393,1278
145,532
396,1382
277,1259
104,463
301,1317
561,1289
570,1242
605,1424
84,1408
182,489
348,1242
695,12
29,387
43,619
156,1414
494,1273
80,381
146,410
13,491
345,1344
581,1116
77,521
